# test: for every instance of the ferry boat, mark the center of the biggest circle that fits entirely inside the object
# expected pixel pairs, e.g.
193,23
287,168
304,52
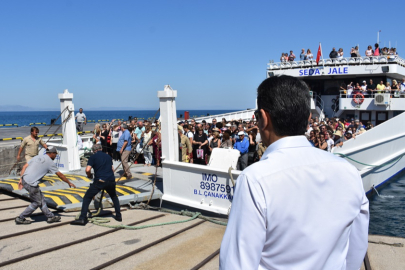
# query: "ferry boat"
377,153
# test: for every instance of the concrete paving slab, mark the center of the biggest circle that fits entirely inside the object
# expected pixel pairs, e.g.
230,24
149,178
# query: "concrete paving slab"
13,203
41,240
212,265
95,252
5,196
384,257
183,251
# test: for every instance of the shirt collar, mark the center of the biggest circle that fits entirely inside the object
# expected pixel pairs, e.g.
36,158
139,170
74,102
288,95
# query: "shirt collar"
287,142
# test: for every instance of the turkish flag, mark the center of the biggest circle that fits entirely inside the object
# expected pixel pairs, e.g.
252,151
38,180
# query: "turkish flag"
318,56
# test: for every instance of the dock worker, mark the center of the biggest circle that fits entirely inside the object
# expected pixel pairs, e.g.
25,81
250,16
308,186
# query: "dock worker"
32,173
298,207
242,144
31,143
81,120
104,179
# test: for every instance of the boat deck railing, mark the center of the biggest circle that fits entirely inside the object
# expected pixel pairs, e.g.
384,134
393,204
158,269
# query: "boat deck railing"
393,94
364,60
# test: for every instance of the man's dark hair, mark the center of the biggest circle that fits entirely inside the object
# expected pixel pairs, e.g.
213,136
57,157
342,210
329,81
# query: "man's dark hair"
287,101
34,128
219,125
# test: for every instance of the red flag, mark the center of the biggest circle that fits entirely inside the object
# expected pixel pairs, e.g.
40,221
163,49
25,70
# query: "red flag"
318,56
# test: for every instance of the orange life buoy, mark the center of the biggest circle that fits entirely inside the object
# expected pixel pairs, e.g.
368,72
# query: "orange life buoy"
358,98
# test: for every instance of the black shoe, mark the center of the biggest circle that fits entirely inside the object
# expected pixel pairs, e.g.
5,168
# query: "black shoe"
20,221
118,218
81,222
53,219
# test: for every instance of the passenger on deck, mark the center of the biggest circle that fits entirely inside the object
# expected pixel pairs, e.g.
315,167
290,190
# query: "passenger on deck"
371,87
303,56
376,50
349,90
282,58
387,88
369,51
31,143
402,87
353,52
310,56
395,86
380,87
291,57
333,54
364,88
340,53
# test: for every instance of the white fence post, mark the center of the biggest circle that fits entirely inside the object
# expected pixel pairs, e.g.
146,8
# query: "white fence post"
69,159
168,116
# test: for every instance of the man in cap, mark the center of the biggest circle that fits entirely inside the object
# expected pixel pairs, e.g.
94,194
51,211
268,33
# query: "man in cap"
104,179
242,144
31,143
124,147
288,210
32,173
337,138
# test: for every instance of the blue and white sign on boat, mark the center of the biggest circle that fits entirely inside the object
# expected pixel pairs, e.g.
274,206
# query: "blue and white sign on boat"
327,71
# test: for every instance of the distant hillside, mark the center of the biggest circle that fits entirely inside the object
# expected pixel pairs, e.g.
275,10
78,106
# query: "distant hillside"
19,108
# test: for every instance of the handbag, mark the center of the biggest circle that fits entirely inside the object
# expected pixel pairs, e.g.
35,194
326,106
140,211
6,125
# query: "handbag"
200,153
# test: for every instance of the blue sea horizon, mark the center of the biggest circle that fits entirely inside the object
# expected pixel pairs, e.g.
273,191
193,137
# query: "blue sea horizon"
25,118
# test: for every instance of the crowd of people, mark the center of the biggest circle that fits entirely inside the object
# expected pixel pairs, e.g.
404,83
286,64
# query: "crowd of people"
143,143
330,133
339,54
196,140
396,89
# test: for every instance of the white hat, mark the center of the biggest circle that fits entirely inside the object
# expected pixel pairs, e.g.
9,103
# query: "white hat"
240,133
153,125
228,125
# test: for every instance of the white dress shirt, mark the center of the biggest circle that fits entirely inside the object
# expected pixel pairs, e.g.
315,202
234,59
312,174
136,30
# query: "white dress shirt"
297,208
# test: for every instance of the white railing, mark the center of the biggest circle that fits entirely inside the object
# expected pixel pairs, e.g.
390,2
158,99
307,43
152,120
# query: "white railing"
364,60
394,93
244,115
377,153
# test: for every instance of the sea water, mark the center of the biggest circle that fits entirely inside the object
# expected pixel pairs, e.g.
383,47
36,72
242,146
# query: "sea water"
25,118
387,208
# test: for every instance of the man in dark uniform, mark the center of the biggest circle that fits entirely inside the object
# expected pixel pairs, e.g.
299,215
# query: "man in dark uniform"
104,179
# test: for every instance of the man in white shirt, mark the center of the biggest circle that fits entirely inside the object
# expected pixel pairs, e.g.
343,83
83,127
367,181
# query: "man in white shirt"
364,88
81,119
329,140
402,91
298,207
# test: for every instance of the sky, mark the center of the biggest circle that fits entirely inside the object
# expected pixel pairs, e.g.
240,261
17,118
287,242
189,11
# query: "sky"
214,53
